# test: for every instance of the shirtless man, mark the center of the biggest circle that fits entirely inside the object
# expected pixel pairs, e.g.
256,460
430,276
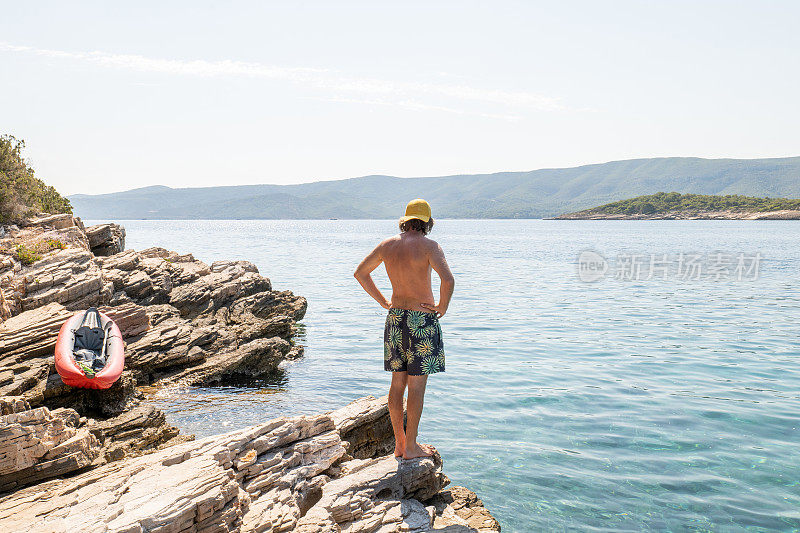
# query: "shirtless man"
412,338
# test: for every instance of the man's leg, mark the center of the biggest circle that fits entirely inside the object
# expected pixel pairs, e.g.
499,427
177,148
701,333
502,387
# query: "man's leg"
396,392
416,395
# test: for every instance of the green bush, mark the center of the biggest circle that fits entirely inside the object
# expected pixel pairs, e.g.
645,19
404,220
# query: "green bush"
29,254
53,244
25,255
21,194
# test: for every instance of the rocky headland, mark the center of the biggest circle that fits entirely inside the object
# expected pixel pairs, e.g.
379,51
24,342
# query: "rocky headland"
89,460
677,206
786,214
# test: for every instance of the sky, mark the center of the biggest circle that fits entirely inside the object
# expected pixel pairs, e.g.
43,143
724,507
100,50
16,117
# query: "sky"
111,96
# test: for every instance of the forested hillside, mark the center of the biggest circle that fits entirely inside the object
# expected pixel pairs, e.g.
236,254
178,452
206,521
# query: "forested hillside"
674,202
538,193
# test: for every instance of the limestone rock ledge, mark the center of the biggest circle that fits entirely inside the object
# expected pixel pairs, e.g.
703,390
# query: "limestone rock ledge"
366,427
288,474
121,467
106,239
37,444
183,321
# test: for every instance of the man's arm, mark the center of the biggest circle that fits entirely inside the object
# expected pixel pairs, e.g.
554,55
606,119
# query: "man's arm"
439,264
363,275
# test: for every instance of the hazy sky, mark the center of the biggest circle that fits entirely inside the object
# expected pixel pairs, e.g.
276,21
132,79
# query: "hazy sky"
111,97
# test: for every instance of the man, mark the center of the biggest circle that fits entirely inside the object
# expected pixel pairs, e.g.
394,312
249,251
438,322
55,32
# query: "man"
412,338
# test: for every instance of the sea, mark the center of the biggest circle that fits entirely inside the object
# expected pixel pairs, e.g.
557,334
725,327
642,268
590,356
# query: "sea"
601,375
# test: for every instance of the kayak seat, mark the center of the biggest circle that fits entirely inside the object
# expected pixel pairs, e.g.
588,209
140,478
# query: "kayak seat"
90,340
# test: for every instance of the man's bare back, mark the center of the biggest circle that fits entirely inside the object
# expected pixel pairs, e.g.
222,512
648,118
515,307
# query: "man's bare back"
409,258
412,346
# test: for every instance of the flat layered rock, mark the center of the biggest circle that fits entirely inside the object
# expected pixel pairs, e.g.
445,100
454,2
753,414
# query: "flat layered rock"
38,444
58,221
271,477
132,319
106,239
70,277
288,474
207,484
382,494
459,510
183,322
5,309
44,242
170,342
254,359
133,433
27,342
366,426
222,286
31,334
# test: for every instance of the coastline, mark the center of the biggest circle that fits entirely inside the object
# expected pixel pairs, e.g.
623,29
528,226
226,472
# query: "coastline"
184,322
685,215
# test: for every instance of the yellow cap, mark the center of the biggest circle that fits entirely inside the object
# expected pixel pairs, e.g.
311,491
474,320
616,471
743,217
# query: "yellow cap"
418,208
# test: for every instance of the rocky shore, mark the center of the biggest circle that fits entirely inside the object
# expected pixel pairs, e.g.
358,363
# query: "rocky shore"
78,459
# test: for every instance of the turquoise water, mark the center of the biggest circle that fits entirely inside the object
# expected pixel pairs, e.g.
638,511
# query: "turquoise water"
661,404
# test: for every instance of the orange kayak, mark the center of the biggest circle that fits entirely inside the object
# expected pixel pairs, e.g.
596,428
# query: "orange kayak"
90,352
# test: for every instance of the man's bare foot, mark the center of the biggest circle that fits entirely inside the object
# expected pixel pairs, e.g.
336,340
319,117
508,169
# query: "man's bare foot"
418,450
399,449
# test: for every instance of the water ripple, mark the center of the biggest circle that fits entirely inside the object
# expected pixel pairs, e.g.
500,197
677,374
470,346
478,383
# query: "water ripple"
614,406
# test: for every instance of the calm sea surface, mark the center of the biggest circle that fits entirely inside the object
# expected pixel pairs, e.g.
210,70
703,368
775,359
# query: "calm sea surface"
625,404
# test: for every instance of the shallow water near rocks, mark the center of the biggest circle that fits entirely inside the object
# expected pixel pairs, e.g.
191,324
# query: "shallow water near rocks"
660,404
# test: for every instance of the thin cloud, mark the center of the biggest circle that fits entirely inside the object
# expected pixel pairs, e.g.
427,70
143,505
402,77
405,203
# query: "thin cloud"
372,90
418,106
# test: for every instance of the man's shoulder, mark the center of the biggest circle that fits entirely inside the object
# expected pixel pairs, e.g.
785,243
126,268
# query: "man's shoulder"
429,241
388,240
430,244
423,242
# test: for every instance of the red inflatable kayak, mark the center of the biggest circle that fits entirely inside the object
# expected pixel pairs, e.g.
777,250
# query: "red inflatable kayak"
89,351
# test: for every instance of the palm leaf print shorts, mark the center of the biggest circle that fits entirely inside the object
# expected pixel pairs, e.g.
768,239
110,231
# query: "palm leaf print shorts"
412,342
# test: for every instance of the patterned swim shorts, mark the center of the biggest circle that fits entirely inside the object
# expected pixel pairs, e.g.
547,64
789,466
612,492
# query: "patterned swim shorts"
412,342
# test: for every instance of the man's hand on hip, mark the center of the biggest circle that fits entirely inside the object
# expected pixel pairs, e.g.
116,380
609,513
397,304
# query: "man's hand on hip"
438,309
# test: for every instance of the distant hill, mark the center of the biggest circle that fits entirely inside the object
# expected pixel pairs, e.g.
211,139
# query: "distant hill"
690,206
534,194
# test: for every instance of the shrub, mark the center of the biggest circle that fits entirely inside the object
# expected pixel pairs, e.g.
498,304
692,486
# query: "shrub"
30,253
54,244
21,194
26,255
